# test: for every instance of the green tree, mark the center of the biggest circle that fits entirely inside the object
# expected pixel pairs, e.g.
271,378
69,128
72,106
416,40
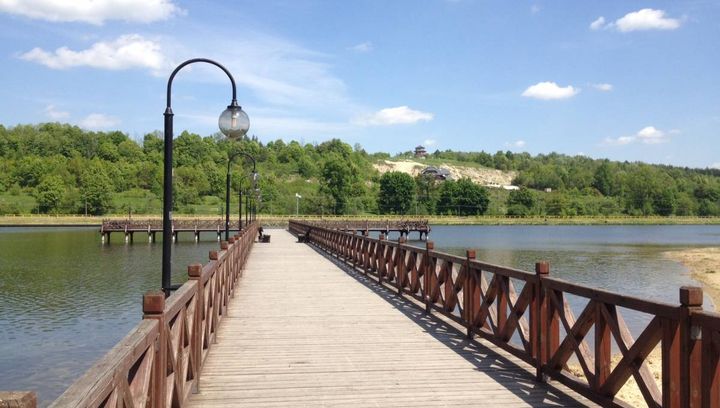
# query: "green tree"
470,198
337,181
49,194
397,193
95,190
521,202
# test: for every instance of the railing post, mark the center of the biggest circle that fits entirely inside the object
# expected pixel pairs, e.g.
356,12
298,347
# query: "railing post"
691,300
153,308
18,399
382,267
544,328
400,266
429,269
469,294
195,274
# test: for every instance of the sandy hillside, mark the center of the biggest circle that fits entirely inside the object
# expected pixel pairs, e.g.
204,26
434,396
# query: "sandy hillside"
482,176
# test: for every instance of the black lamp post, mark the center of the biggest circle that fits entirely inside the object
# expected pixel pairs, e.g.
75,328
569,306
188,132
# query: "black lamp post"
233,123
227,188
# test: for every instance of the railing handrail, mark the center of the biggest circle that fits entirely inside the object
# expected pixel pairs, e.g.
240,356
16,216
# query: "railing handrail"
173,329
492,309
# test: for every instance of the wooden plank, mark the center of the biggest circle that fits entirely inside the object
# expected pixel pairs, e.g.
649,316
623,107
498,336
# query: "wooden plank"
303,332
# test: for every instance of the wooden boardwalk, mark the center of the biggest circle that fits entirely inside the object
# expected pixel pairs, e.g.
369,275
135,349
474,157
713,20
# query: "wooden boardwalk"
306,331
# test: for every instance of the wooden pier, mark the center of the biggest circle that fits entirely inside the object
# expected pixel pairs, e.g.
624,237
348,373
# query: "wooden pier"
130,227
351,320
402,227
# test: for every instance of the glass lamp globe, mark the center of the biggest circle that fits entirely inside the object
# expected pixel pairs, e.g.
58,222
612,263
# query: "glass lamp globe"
234,122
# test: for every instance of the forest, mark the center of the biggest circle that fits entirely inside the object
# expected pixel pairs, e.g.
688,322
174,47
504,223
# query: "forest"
59,168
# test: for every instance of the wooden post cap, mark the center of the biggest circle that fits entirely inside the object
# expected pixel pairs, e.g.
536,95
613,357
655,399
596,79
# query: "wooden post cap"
691,296
470,254
542,268
429,245
213,255
223,245
382,237
153,302
18,399
194,270
231,240
402,240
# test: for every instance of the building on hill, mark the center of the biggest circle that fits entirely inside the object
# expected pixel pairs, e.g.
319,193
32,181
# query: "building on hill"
420,152
437,173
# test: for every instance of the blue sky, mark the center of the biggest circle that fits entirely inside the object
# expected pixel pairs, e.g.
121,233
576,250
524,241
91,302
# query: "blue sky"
626,80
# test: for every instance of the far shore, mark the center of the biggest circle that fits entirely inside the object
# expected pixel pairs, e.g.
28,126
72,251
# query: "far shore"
81,220
704,266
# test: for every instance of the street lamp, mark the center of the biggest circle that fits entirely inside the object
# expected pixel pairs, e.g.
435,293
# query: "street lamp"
227,188
297,203
233,123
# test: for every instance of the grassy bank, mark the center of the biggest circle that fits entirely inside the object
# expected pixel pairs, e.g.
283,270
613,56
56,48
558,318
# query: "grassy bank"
434,220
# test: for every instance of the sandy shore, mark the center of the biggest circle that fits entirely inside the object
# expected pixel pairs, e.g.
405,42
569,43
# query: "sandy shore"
704,266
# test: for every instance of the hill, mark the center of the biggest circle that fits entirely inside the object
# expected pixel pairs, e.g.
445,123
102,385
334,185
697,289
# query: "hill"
478,174
58,168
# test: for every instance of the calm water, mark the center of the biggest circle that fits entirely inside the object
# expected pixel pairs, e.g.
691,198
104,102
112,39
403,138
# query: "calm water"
66,299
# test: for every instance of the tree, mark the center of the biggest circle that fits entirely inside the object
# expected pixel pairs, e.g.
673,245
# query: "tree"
95,189
462,197
521,202
470,198
337,180
49,194
397,193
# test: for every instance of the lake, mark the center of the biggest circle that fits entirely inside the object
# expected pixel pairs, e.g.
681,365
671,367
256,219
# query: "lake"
66,299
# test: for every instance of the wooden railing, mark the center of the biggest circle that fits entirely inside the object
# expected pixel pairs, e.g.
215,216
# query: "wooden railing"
373,225
158,363
529,315
123,225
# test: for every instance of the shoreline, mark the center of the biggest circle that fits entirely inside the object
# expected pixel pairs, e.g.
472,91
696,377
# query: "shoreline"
704,266
96,221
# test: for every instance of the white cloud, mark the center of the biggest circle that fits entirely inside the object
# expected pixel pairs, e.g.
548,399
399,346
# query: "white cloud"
128,51
92,11
603,87
517,143
362,47
646,135
535,9
619,141
400,115
646,19
641,20
429,142
55,114
550,90
715,166
96,121
650,135
598,24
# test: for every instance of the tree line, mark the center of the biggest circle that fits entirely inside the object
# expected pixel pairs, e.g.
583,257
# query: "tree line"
60,168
